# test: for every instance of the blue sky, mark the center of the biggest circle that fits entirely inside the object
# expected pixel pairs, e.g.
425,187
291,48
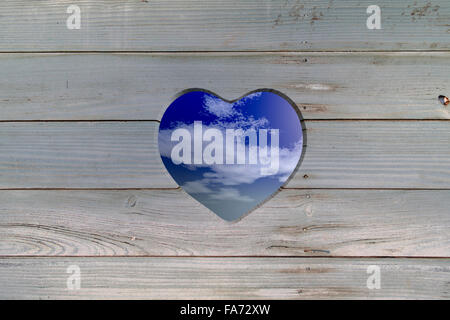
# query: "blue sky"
231,190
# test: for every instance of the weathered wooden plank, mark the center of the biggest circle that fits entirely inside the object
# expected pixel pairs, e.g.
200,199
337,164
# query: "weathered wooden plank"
223,25
169,222
220,278
339,154
81,154
375,154
140,86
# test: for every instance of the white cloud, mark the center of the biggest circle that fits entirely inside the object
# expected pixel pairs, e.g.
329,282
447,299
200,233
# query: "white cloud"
230,194
223,109
197,186
230,175
218,107
248,97
241,122
288,160
235,174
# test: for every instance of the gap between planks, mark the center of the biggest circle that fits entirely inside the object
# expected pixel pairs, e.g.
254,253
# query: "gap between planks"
223,256
179,188
228,53
301,120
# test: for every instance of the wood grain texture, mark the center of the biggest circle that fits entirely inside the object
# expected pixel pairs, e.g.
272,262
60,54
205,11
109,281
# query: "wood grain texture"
144,238
212,25
375,154
339,154
170,223
141,86
223,278
81,154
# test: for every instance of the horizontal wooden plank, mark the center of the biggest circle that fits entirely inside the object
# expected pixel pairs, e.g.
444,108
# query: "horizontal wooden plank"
339,154
375,154
141,86
81,154
169,222
223,25
223,278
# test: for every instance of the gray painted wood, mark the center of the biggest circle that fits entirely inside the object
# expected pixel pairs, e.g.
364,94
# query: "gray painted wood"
307,222
369,223
80,154
339,154
221,278
375,154
141,86
223,25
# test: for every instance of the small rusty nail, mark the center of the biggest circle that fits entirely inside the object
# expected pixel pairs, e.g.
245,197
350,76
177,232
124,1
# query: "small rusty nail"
305,176
444,100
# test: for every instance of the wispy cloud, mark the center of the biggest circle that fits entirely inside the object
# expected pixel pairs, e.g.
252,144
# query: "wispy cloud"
218,107
223,109
203,187
235,174
245,99
197,186
230,194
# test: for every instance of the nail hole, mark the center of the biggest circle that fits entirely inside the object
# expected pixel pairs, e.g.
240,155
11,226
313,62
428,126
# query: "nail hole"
305,176
444,100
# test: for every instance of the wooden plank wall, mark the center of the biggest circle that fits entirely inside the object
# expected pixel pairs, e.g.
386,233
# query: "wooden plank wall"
81,182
